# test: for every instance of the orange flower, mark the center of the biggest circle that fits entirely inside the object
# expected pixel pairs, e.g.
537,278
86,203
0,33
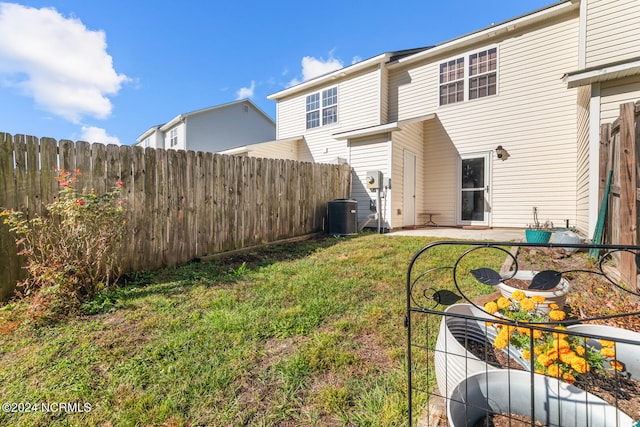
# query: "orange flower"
616,365
607,343
554,371
569,378
580,365
544,360
608,352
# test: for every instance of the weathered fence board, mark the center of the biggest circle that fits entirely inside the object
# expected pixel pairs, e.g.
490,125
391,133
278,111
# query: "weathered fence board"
619,147
182,204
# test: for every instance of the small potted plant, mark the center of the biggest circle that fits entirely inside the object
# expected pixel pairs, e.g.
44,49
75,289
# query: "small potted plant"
538,232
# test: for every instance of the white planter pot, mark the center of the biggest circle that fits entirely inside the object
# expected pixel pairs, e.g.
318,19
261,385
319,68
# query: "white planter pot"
628,354
555,403
452,361
557,296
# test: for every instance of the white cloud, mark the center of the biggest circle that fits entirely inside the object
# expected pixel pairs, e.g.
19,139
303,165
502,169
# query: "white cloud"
94,134
246,92
314,67
58,61
355,60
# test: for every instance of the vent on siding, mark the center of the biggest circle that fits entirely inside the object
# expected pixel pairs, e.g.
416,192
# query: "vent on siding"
245,108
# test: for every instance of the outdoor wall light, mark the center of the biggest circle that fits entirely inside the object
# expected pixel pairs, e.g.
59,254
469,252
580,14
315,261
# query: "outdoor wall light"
502,153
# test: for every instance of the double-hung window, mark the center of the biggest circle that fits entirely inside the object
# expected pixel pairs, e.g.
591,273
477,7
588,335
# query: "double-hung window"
469,77
482,73
174,137
322,108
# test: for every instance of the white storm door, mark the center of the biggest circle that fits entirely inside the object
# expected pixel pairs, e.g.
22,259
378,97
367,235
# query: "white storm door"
409,193
473,183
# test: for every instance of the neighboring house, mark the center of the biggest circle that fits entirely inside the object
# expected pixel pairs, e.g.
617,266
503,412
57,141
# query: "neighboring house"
212,129
432,120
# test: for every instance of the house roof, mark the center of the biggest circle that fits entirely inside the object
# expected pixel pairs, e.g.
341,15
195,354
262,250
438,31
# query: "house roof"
351,69
407,56
493,31
180,117
601,73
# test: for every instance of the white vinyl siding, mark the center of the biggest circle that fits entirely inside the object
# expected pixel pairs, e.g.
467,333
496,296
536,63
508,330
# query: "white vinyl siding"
582,161
533,118
613,31
411,138
359,106
615,93
369,154
178,131
287,150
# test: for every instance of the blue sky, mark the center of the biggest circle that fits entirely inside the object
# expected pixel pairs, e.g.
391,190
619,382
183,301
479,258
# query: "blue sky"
106,71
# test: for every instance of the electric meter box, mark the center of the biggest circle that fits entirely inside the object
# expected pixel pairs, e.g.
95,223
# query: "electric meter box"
374,180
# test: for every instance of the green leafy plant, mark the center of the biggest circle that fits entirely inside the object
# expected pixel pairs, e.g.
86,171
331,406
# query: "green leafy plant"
72,251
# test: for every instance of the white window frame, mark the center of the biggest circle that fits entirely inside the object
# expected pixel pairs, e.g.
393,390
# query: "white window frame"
321,108
173,137
452,79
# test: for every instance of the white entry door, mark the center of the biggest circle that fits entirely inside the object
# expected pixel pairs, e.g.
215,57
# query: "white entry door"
474,187
409,185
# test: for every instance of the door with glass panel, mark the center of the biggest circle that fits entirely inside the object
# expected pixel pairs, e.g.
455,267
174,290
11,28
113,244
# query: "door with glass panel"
473,182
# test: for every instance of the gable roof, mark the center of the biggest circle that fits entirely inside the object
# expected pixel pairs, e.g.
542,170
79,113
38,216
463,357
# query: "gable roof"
407,56
345,71
181,117
493,31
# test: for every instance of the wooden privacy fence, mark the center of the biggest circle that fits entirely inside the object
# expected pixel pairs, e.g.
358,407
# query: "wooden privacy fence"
619,146
181,204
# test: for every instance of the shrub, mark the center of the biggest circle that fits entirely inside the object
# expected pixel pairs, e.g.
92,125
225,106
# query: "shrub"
73,251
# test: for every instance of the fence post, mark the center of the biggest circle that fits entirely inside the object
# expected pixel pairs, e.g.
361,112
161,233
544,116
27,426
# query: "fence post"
628,269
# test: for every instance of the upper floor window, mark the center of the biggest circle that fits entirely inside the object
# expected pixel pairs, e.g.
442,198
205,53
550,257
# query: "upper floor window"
146,142
173,137
322,108
482,73
480,77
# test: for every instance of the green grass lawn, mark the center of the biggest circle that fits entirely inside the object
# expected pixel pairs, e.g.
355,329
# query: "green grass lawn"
302,334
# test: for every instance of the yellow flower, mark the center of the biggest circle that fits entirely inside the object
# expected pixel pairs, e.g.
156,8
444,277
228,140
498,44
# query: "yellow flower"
607,343
560,344
557,315
554,306
554,371
544,360
503,302
537,350
526,354
608,352
518,295
580,350
500,342
528,304
491,307
537,334
567,356
538,299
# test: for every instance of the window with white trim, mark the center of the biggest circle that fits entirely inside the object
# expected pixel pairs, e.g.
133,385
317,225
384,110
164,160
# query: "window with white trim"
173,137
322,108
482,73
480,78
